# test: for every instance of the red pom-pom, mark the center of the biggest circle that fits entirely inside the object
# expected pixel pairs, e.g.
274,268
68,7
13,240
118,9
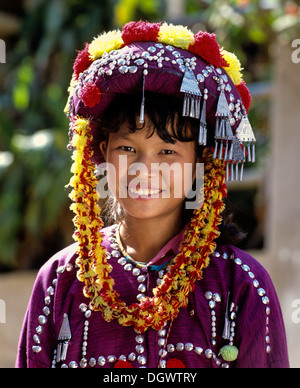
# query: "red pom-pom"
175,363
82,61
123,364
140,32
91,95
245,94
208,48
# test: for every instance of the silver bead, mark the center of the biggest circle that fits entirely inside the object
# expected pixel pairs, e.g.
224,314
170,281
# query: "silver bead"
136,271
116,254
245,268
161,342
189,347
131,357
212,304
139,339
180,346
73,365
128,267
238,261
111,359
142,288
265,300
122,261
141,278
140,349
140,297
133,69
208,353
261,292
162,332
42,320
170,348
255,283
198,350
208,295
101,361
50,290
36,349
83,363
46,311
92,362
47,300
141,360
151,49
36,339
217,297
60,269
123,69
139,62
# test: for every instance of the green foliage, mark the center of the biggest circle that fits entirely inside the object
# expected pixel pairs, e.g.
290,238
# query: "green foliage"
34,162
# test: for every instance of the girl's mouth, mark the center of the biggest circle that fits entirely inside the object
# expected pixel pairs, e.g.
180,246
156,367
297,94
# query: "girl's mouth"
143,193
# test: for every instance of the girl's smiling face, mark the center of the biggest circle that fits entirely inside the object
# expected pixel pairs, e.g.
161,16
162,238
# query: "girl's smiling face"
149,176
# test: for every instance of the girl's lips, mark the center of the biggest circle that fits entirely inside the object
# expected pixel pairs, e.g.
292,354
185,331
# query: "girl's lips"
143,193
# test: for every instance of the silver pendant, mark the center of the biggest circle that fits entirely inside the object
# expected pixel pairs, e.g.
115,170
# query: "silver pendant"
64,338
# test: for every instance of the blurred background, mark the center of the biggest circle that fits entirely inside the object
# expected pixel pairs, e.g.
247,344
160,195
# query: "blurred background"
41,38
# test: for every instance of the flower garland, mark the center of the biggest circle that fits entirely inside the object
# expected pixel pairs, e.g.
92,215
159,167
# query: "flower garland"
94,270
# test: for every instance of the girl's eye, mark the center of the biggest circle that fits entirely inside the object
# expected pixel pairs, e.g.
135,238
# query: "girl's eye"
127,148
168,152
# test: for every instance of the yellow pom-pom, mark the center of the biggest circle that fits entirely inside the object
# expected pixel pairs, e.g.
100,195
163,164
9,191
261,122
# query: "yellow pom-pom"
177,36
105,43
234,69
229,353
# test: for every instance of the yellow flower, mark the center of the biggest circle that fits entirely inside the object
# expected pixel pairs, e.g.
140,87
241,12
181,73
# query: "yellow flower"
105,43
234,69
177,36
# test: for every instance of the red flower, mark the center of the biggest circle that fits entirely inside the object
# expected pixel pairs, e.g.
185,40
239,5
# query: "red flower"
91,95
245,94
82,61
140,32
208,48
175,363
123,364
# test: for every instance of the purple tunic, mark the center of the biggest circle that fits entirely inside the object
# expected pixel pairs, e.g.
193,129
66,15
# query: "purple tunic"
233,282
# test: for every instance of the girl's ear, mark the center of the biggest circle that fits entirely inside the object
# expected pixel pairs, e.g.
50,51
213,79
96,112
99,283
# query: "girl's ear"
102,146
203,158
205,154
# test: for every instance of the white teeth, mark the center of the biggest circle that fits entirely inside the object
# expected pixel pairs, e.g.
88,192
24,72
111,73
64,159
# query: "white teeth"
143,192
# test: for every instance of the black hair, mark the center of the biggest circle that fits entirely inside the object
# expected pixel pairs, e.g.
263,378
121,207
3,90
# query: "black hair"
165,113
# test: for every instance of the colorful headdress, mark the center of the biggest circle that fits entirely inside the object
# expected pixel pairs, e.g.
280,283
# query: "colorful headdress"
171,60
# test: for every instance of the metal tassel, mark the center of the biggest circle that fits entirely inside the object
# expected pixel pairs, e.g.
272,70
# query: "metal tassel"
192,94
142,111
226,330
64,338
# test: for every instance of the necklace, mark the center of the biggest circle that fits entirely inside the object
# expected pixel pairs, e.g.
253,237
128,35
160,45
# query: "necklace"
94,271
138,264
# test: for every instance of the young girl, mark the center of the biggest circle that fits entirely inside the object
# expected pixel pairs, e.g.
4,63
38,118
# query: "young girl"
163,286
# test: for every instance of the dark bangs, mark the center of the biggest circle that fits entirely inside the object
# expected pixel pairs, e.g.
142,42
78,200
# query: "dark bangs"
164,112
